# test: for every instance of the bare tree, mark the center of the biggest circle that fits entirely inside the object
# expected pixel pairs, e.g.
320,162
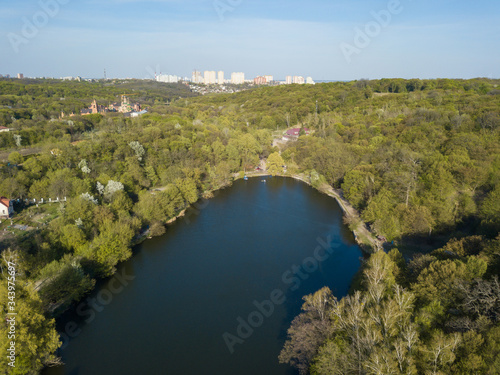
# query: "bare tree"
481,297
319,303
309,330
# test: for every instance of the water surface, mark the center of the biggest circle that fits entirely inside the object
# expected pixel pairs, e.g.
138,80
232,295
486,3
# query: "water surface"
180,293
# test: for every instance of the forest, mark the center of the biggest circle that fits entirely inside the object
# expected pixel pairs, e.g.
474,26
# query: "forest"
418,159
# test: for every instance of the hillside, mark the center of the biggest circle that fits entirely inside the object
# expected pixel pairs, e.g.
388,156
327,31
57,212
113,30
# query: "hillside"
418,159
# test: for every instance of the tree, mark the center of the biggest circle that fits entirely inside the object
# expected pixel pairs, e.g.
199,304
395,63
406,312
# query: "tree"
490,210
435,283
415,220
492,350
63,282
379,271
469,358
358,186
441,351
481,297
15,158
218,151
80,208
247,147
333,358
12,188
36,336
121,203
380,212
157,229
152,207
308,331
72,237
275,164
188,189
110,247
381,361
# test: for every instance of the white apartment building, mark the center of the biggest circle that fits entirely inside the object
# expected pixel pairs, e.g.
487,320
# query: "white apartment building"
238,78
299,80
167,78
220,77
210,77
196,77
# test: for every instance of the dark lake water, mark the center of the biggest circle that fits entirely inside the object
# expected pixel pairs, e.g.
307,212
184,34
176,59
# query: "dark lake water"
249,255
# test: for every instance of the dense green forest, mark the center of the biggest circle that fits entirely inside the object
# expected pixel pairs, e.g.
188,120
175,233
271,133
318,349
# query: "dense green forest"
419,159
27,105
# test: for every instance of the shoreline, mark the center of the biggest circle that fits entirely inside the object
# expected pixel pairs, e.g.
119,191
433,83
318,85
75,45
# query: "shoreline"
363,236
369,246
347,210
371,243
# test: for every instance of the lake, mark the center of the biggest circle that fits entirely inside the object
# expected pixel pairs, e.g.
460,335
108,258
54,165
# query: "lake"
216,294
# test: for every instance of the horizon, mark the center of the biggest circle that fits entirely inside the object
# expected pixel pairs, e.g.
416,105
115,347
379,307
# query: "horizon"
346,40
319,81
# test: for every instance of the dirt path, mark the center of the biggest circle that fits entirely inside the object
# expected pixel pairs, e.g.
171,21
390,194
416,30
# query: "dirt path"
364,237
362,233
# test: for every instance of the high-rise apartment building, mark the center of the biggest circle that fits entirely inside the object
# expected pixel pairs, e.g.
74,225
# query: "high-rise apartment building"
299,80
269,79
209,77
220,77
260,80
20,75
288,80
237,78
167,78
196,77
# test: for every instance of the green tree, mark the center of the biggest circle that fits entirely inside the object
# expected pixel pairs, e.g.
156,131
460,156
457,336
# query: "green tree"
492,350
36,336
275,164
15,158
490,210
469,355
333,358
152,207
435,283
110,247
358,187
188,189
63,282
440,352
381,213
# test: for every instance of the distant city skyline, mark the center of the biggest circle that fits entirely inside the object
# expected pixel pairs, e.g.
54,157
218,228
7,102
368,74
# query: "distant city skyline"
212,77
341,40
205,77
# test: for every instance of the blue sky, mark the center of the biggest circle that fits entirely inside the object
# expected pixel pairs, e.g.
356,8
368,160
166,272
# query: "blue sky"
328,40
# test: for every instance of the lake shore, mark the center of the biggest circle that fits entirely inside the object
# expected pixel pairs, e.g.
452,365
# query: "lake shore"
364,237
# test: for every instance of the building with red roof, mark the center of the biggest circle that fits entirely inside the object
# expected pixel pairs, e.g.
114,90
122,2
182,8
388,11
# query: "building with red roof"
6,208
293,134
